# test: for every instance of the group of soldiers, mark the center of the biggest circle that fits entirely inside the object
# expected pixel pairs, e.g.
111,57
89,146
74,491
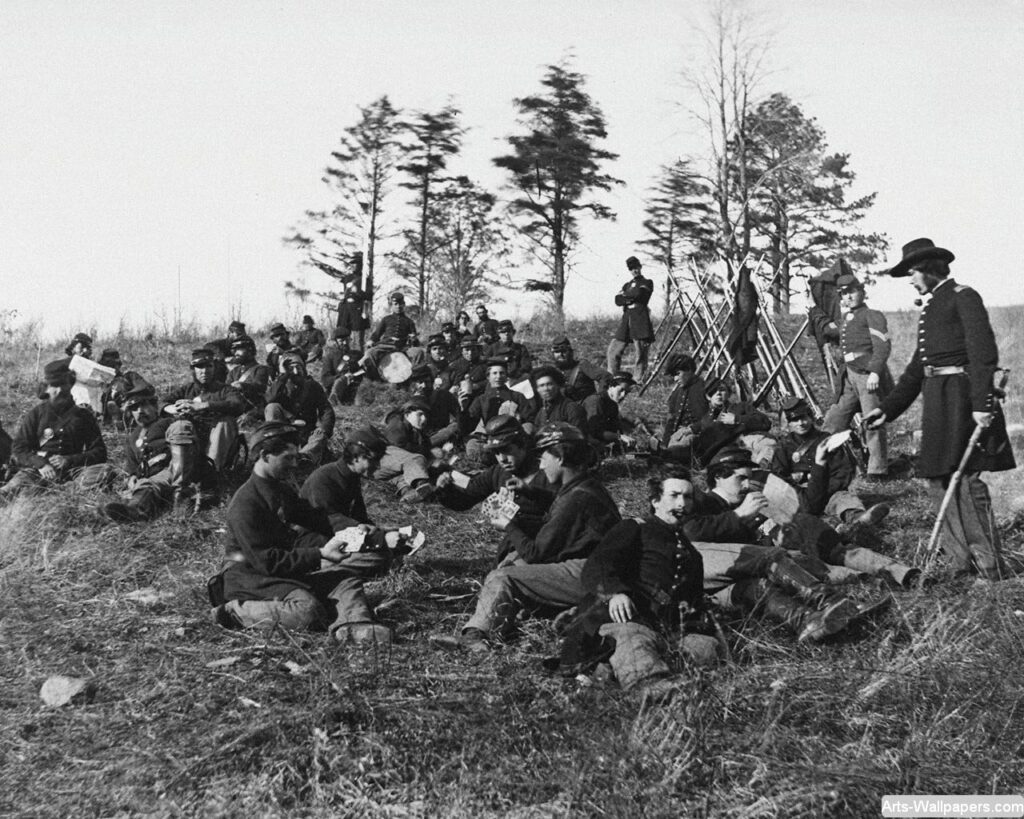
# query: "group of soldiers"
484,426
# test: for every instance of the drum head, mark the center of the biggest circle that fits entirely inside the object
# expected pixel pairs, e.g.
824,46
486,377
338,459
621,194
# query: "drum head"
395,368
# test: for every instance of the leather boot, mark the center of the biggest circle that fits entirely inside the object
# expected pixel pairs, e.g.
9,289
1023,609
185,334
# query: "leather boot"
871,562
807,623
794,578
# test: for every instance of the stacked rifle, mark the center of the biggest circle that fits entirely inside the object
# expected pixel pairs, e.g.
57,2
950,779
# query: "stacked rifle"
706,323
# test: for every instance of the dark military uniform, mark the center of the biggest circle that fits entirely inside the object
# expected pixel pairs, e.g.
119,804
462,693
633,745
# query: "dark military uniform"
560,409
864,344
635,326
350,312
337,373
952,368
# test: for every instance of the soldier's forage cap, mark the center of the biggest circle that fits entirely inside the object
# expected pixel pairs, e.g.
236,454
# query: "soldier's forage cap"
278,330
448,327
56,373
142,392
732,456
181,433
83,339
561,343
110,358
422,372
505,326
547,371
621,377
796,407
501,431
269,430
558,432
719,384
919,250
481,308
201,357
848,282
293,358
238,326
307,320
341,332
243,343
497,361
436,340
680,362
414,405
633,263
370,438
396,298
468,342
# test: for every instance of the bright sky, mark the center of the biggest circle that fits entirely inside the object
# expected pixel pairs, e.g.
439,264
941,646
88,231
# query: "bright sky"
144,138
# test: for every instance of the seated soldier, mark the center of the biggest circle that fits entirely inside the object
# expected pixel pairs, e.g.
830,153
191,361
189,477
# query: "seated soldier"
644,583
294,396
236,330
733,422
581,377
443,420
212,406
732,514
516,467
822,488
496,399
604,422
310,339
282,339
80,345
437,361
451,340
486,329
161,461
339,373
251,379
408,462
56,441
516,355
687,405
468,373
549,402
113,396
286,567
544,569
393,332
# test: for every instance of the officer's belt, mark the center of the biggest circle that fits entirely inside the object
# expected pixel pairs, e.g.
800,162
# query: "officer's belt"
931,372
854,356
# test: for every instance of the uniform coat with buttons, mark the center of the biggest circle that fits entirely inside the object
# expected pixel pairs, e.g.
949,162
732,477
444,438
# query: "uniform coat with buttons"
635,324
953,331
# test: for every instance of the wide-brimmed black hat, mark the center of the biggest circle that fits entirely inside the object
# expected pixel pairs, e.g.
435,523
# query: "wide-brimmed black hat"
632,263
919,250
370,438
141,392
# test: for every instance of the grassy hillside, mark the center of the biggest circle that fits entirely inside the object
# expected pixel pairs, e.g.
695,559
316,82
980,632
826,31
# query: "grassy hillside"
186,719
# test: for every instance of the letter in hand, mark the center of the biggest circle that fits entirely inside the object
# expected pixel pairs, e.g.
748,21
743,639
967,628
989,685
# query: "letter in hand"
334,549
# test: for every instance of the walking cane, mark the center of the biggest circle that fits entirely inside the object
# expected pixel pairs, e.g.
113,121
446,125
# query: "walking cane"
997,393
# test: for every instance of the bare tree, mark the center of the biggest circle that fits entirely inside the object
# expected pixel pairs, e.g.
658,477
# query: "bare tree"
733,64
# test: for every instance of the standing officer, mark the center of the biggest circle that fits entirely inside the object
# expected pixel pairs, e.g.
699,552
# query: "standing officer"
953,369
864,340
635,325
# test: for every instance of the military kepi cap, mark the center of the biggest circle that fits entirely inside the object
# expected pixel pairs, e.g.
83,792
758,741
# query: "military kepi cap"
269,430
732,456
796,407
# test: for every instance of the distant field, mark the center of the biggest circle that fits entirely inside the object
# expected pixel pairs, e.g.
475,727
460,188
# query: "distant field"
190,720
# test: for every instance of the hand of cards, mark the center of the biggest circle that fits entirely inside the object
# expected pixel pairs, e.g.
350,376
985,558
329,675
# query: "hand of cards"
355,539
502,504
